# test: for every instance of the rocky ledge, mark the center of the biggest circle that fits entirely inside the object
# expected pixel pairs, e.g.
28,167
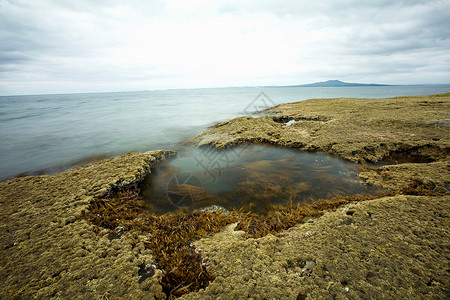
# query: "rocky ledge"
48,249
414,129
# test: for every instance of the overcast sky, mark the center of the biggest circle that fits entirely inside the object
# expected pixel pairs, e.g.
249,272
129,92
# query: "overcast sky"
120,45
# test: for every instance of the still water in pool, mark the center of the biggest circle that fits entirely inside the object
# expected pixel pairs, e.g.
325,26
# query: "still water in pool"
254,177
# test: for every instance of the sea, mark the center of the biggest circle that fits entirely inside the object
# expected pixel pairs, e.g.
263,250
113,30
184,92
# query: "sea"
45,134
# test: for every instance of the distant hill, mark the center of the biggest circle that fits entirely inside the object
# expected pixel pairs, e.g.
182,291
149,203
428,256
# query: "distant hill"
335,83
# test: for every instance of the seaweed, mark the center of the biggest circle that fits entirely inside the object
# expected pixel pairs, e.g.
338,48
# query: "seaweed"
418,188
280,218
119,210
168,236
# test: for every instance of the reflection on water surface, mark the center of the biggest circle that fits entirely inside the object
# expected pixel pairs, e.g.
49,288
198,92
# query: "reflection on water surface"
254,177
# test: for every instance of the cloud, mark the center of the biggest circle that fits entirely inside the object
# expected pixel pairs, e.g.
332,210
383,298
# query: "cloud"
70,46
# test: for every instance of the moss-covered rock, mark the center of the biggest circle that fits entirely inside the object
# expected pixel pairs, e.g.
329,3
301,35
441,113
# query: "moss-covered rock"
362,130
49,250
388,248
428,178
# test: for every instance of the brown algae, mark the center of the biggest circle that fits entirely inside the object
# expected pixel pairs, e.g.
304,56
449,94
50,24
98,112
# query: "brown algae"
168,236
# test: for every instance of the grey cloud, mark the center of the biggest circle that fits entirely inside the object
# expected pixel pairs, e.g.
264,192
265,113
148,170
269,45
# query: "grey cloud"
41,30
13,57
306,8
402,30
365,27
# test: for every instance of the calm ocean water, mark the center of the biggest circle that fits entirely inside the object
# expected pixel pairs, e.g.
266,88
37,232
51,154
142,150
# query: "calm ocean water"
48,133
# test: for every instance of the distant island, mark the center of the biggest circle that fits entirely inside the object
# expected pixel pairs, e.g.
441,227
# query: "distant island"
335,83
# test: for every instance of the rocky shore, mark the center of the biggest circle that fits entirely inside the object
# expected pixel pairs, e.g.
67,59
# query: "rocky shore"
413,129
395,246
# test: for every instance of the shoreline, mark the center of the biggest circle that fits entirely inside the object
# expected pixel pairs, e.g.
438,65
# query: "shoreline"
50,249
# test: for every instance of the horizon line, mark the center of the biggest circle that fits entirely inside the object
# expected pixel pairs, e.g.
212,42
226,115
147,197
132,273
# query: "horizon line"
306,85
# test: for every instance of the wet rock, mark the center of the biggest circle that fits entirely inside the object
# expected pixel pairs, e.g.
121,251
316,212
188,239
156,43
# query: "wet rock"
282,119
418,178
309,266
439,123
146,271
397,251
213,208
116,234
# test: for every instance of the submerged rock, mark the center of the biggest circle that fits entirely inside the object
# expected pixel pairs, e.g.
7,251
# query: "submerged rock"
218,208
